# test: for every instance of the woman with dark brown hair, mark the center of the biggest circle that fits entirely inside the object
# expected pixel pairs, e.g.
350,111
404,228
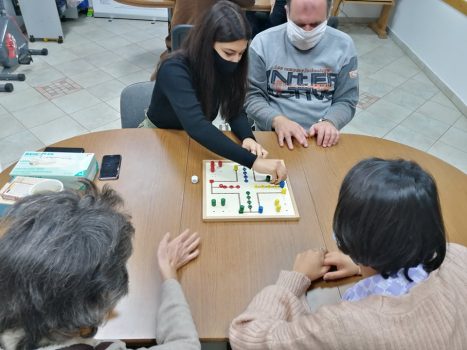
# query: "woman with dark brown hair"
209,73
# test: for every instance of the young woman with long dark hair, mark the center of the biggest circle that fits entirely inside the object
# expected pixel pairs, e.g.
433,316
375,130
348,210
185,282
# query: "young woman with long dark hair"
209,73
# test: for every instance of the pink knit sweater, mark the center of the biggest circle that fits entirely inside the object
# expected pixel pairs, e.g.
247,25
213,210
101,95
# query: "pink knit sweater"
433,315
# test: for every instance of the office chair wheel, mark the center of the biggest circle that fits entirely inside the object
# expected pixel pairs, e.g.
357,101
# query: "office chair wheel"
32,39
60,40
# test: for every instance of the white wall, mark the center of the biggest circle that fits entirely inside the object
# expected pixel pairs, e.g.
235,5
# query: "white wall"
437,35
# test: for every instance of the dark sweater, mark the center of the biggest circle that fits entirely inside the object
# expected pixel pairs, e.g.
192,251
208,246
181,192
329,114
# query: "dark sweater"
174,105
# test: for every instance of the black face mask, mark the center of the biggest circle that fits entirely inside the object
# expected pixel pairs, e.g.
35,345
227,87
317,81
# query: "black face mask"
223,66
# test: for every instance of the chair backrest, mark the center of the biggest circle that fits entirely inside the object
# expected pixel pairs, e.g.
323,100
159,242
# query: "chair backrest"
333,21
179,33
134,99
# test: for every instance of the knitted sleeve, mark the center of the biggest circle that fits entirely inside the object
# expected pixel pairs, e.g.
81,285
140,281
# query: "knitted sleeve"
277,318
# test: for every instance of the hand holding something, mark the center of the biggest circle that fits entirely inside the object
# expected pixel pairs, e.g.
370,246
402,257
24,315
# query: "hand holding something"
173,254
326,133
311,264
273,167
288,129
254,147
344,264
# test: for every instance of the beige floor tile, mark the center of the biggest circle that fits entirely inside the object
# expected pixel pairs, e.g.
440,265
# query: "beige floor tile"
130,52
2,110
426,126
408,137
9,125
376,58
104,58
44,76
389,110
114,103
148,60
76,101
75,67
404,99
137,35
461,123
136,77
27,98
39,114
96,116
121,68
442,99
116,42
57,130
375,87
88,49
13,146
403,66
389,77
59,55
439,112
116,124
108,90
456,138
450,155
419,88
377,124
91,78
117,27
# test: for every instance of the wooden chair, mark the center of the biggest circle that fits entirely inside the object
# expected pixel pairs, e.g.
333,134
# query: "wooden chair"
379,27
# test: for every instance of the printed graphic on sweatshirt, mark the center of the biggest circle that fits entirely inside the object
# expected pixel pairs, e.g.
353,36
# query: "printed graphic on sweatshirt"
298,83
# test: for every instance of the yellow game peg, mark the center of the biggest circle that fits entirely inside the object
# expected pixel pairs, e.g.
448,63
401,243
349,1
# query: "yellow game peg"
276,202
284,191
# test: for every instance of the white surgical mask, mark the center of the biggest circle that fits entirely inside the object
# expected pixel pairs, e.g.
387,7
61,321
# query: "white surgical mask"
303,39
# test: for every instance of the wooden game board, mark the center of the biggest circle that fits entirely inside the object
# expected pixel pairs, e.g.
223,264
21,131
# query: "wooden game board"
230,185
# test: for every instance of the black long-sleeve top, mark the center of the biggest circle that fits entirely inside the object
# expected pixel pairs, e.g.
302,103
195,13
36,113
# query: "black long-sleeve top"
174,105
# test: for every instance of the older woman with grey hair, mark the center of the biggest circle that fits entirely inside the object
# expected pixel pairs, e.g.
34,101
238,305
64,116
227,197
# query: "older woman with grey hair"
63,269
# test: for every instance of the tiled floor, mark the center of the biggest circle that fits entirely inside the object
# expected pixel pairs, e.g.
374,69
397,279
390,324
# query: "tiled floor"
100,57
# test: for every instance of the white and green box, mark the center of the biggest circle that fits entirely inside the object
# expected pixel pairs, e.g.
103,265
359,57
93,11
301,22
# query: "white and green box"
64,166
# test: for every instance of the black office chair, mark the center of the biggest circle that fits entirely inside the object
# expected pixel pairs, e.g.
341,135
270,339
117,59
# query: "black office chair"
134,99
179,34
333,21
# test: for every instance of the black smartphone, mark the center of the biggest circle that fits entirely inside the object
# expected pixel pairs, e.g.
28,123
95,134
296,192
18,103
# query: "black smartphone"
110,167
64,149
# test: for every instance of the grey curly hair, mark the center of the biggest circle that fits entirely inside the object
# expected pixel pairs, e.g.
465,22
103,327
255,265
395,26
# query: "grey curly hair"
62,263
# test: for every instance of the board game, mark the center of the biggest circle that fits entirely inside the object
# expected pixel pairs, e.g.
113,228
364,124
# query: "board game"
232,192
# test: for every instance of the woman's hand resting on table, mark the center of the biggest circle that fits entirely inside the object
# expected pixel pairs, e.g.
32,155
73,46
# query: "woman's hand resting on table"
173,254
254,147
345,267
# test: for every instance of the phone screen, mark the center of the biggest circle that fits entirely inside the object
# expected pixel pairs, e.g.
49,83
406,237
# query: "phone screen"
110,167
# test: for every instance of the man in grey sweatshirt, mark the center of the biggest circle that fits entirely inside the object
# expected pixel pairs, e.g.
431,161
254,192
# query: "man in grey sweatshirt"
303,79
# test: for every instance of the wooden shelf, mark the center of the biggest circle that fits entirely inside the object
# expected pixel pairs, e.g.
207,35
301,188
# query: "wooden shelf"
379,27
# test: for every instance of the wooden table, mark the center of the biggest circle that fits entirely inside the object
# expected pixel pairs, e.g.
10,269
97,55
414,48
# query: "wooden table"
237,259
260,5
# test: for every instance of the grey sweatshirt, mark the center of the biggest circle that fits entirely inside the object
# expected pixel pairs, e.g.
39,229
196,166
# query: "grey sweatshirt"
304,86
175,329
